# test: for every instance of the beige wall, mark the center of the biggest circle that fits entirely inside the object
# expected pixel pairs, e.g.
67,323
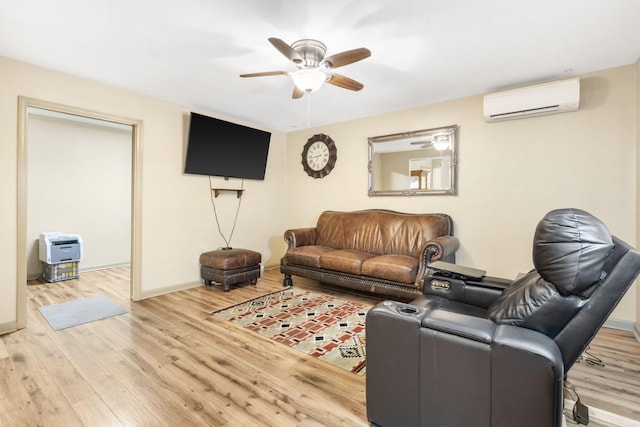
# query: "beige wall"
510,173
177,217
79,176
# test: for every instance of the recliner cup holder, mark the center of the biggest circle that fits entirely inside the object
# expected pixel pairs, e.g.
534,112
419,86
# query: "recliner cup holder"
406,309
403,309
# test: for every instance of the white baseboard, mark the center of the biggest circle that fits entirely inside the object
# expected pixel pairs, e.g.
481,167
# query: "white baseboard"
82,269
623,325
8,327
168,290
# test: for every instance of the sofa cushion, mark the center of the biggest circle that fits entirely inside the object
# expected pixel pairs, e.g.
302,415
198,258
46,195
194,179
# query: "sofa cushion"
346,261
308,256
380,232
399,268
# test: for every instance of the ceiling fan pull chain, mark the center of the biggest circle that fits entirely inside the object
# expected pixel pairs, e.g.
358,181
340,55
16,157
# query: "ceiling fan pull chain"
308,109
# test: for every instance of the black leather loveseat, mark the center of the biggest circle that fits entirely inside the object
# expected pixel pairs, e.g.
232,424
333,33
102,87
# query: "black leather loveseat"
492,352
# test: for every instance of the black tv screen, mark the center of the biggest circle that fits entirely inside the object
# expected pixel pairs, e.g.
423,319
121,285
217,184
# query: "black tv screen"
220,148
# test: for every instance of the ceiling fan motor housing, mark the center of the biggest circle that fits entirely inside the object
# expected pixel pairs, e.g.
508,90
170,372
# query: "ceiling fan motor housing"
311,51
314,68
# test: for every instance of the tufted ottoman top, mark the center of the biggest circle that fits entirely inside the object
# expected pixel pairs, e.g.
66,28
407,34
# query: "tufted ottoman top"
229,259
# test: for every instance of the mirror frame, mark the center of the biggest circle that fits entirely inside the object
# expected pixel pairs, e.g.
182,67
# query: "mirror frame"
453,184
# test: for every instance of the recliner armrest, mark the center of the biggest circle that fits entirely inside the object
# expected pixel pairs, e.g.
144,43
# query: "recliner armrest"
517,371
524,356
480,293
426,360
465,326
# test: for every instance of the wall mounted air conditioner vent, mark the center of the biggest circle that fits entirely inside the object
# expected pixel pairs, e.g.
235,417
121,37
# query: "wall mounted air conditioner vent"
545,98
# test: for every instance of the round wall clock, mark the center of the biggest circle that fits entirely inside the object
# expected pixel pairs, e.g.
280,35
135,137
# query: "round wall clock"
319,155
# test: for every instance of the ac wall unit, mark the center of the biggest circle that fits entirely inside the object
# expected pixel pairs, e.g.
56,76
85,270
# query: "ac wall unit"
535,100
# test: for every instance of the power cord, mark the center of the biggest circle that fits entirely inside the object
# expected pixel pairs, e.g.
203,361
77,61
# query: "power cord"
590,358
580,410
215,213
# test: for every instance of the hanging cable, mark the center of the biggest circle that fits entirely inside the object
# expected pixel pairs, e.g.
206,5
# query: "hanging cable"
215,213
590,358
309,109
580,411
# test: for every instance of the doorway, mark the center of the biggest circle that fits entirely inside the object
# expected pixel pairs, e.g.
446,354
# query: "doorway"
24,244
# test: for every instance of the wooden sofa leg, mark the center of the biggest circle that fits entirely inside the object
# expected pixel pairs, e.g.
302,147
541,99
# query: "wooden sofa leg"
287,281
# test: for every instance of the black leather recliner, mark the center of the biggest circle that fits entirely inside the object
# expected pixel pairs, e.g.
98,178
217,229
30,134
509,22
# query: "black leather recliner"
492,352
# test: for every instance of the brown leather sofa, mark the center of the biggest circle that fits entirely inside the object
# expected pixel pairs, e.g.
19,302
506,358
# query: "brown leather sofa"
375,250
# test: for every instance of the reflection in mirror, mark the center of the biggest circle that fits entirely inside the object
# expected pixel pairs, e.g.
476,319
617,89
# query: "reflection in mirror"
421,162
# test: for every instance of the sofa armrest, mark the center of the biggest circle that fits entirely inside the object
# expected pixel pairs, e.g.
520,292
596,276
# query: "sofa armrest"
300,237
440,248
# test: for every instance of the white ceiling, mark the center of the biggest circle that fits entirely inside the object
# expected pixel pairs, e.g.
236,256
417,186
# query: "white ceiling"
423,51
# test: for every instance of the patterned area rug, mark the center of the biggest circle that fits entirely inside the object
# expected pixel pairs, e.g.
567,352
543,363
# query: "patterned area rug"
323,326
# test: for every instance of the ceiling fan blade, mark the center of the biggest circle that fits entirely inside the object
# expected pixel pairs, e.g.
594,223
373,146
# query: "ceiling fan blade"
422,141
286,50
344,82
265,73
297,93
347,57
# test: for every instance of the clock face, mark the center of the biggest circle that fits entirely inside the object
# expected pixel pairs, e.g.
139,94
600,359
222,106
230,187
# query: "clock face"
319,156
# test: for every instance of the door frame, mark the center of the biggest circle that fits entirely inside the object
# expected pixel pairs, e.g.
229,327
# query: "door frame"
21,227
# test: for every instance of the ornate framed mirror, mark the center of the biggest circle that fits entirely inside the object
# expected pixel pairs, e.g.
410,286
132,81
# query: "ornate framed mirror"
422,162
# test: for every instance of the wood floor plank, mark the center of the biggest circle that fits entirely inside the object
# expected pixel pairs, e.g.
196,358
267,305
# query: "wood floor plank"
221,347
93,408
169,361
14,399
45,404
4,354
614,387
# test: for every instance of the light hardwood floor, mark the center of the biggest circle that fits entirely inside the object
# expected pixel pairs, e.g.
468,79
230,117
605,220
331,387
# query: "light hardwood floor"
168,362
614,386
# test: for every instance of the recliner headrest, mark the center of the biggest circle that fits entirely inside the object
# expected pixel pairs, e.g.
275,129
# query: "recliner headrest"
570,247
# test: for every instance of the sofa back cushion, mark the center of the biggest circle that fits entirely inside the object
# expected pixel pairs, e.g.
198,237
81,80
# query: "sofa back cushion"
380,231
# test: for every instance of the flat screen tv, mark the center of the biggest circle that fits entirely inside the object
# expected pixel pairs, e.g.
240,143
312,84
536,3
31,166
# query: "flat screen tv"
220,148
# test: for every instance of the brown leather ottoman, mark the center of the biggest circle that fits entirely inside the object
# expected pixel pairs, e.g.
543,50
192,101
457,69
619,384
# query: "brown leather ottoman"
230,266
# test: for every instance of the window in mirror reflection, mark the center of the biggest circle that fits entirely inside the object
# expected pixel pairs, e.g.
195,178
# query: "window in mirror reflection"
413,163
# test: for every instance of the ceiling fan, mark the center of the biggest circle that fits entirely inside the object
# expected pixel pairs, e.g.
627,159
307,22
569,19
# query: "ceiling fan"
440,142
313,67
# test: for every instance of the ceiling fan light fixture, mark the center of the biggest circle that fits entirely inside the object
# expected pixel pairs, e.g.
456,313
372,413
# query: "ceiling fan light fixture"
441,142
309,80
